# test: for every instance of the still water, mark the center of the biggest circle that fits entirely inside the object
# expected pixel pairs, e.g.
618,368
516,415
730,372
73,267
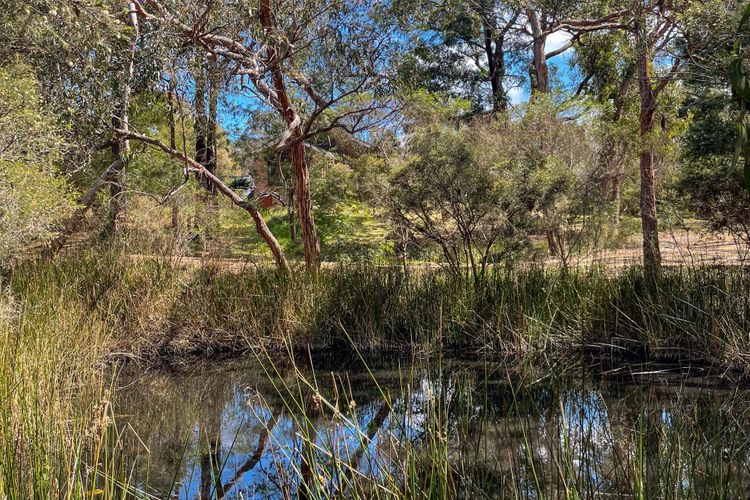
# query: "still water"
437,428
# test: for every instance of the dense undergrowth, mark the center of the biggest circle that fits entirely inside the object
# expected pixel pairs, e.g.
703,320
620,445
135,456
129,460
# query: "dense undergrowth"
62,322
157,308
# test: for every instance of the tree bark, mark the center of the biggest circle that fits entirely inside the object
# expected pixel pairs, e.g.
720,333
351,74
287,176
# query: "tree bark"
292,218
200,125
214,78
495,57
283,105
539,72
175,219
118,181
120,119
648,104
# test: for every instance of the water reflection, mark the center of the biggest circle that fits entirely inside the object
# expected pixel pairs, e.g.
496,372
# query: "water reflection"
449,429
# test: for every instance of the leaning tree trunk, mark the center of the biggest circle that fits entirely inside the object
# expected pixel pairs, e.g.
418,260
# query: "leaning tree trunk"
249,207
649,223
283,105
117,184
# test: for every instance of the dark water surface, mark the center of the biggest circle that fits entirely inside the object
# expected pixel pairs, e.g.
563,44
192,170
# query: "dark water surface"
465,429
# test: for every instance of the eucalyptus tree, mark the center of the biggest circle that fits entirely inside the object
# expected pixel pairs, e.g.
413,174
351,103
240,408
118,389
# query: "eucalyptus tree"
544,18
318,65
462,48
664,35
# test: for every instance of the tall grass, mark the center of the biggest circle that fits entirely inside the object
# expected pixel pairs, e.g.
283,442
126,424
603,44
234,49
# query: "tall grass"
156,308
61,322
54,405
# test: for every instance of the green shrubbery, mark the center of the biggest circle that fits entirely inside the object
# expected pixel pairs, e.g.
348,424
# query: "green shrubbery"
34,197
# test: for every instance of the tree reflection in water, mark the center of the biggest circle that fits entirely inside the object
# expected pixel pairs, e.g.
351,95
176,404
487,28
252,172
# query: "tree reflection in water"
227,431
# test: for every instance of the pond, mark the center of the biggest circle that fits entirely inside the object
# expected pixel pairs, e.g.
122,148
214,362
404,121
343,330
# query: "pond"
441,428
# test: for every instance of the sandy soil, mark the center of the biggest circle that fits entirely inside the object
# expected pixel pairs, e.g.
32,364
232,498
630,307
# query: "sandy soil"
678,247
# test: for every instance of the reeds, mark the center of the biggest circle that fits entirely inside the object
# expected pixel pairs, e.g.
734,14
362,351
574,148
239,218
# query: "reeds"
160,309
62,322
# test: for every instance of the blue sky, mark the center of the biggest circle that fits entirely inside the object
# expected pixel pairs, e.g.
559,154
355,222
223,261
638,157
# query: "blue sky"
234,123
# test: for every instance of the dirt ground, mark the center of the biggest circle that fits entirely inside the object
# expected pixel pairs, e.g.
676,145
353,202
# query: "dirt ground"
679,247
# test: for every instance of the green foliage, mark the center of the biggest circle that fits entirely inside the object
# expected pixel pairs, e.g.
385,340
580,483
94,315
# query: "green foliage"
76,52
712,188
152,170
348,227
447,47
34,198
741,85
480,191
445,195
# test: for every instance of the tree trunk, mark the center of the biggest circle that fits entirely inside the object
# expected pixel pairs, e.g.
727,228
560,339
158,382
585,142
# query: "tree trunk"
538,71
117,203
651,253
292,218
175,208
304,207
117,182
283,105
554,248
121,148
200,125
214,78
175,223
495,61
617,199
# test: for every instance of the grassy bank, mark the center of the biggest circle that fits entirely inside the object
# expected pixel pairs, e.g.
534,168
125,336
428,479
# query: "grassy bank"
151,309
